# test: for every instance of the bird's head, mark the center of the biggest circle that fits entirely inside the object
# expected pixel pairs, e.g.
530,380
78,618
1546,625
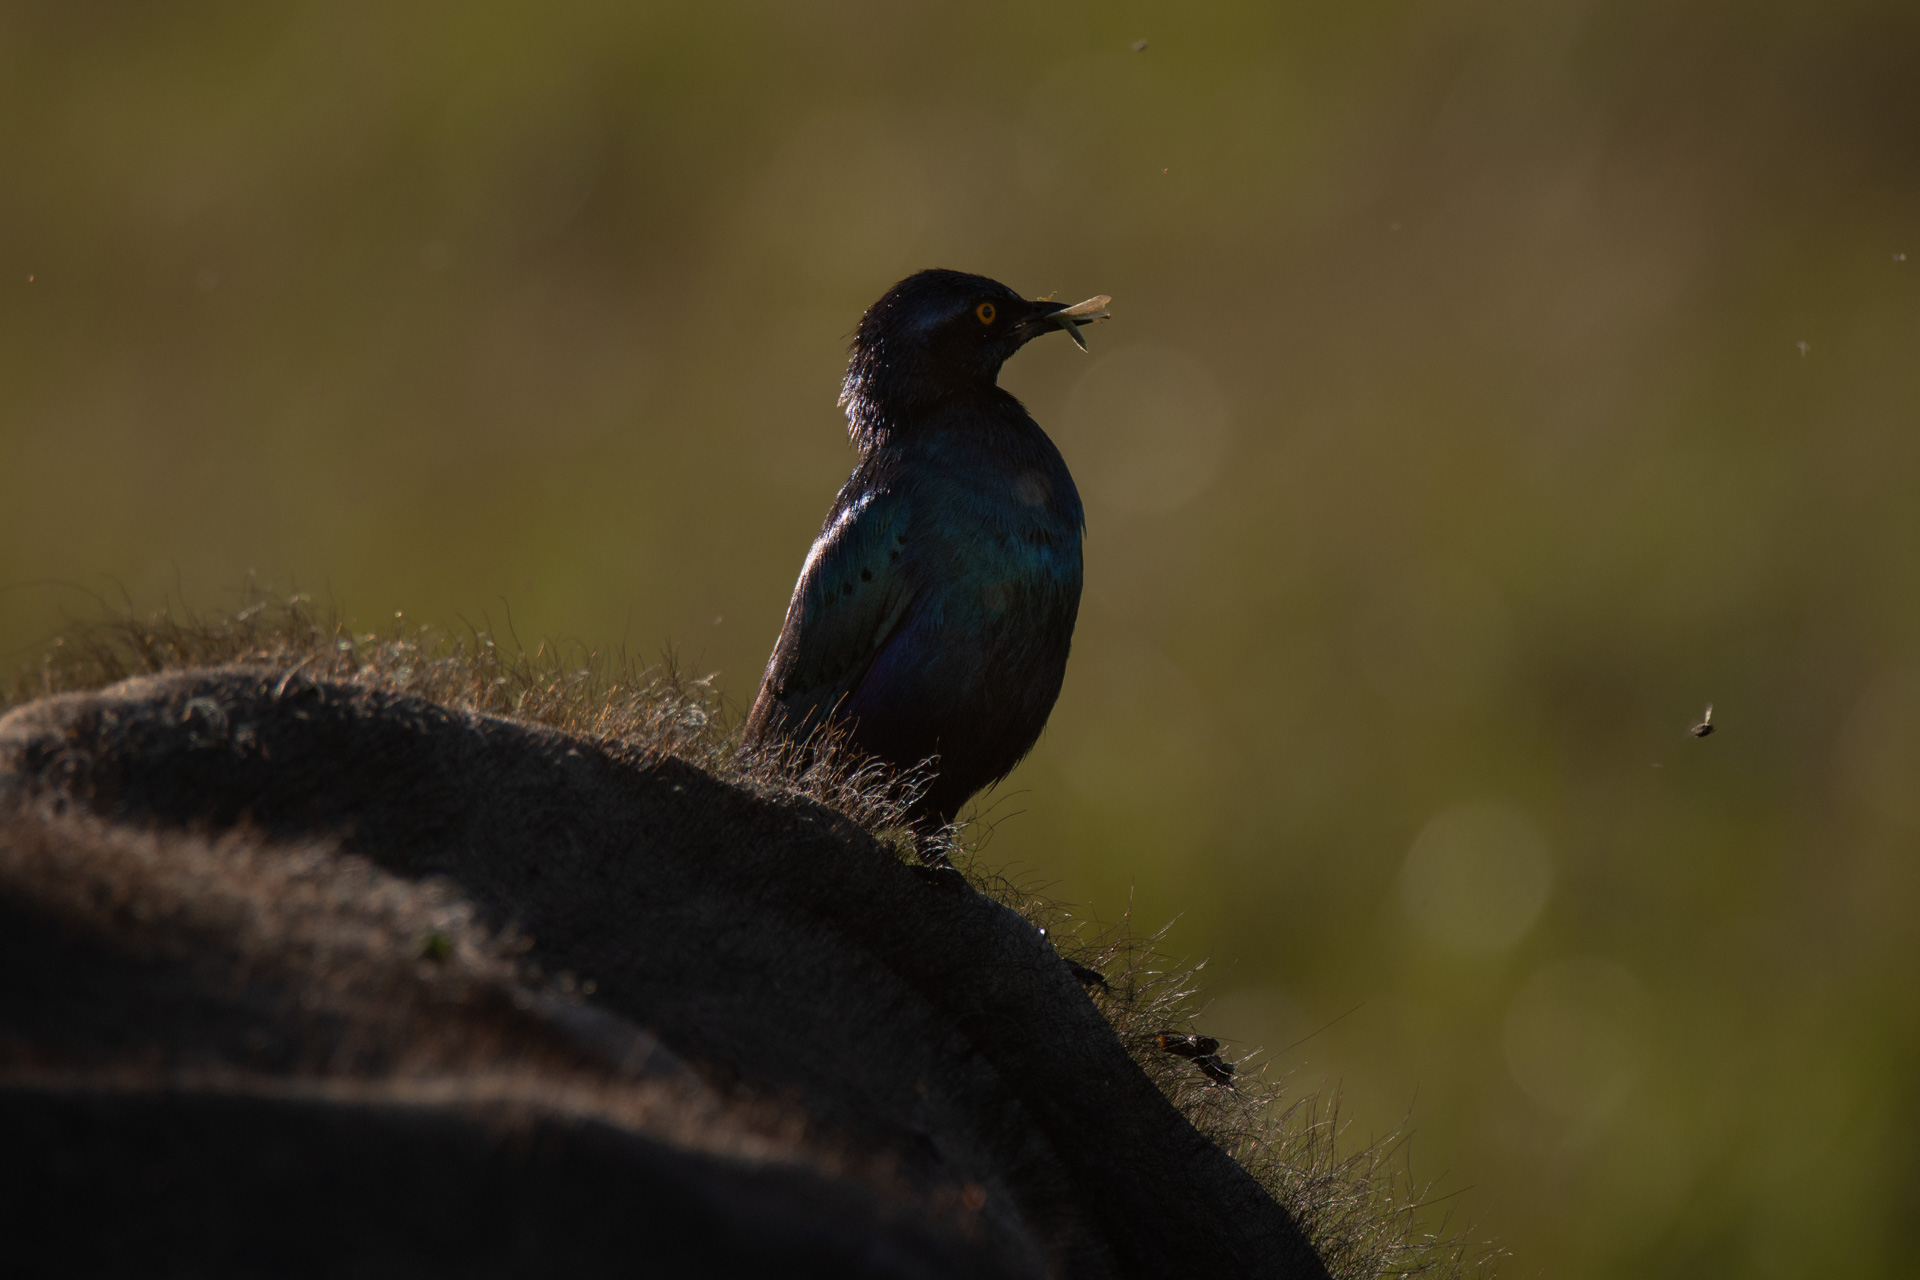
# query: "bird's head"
939,333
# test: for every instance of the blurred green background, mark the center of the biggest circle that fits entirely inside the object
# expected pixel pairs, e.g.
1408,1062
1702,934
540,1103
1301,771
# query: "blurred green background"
1493,385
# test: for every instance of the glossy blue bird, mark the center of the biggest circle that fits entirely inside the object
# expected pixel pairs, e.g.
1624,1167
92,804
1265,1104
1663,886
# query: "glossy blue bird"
933,615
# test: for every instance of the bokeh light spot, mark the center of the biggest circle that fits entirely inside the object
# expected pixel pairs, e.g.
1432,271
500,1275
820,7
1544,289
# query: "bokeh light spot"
1477,877
1149,429
1575,1036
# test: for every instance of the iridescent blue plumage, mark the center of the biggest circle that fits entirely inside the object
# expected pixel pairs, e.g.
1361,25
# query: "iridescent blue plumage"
934,613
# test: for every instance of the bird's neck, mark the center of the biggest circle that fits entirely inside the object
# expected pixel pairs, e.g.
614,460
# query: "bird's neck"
892,386
880,411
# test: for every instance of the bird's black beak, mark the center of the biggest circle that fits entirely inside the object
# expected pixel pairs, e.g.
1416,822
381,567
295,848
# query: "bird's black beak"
1048,315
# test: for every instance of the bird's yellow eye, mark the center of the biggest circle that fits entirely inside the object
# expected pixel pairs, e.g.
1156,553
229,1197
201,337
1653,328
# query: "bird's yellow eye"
986,312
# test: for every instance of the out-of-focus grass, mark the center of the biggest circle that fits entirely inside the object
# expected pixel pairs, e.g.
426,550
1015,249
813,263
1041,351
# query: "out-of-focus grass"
1452,447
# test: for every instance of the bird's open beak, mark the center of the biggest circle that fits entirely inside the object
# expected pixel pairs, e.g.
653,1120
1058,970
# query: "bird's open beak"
1053,315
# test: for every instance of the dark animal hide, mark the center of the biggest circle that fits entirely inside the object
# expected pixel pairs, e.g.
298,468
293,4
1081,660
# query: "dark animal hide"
310,978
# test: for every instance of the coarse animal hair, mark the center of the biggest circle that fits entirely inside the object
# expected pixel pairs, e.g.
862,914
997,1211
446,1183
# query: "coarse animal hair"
184,1012
1357,1205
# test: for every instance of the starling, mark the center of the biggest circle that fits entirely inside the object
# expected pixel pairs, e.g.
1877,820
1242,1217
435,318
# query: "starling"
932,618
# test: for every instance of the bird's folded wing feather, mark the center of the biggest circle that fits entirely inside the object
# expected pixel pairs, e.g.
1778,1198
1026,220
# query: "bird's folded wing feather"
853,592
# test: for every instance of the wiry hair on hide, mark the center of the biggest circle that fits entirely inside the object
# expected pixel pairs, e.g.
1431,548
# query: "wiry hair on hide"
421,948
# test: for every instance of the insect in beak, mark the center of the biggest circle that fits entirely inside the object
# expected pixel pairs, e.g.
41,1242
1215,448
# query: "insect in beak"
1092,311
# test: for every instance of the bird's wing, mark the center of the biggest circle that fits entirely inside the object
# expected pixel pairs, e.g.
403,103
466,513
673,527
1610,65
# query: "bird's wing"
853,592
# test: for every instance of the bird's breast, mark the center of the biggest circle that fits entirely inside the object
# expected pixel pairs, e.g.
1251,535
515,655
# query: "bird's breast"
1018,564
1031,488
1002,523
